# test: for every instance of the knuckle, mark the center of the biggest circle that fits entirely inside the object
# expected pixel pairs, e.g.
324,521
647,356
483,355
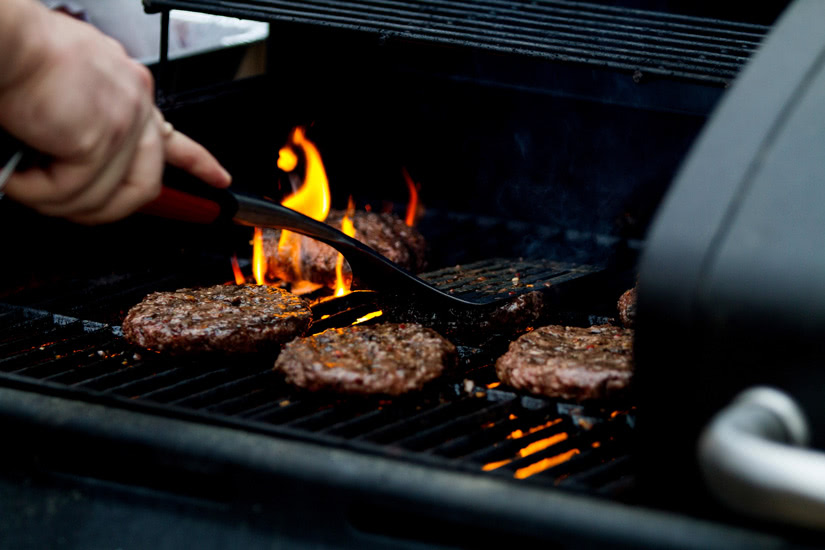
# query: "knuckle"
85,143
145,77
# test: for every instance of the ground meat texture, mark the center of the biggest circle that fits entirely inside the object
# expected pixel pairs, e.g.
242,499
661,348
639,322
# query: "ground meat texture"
386,233
386,358
627,308
223,318
571,363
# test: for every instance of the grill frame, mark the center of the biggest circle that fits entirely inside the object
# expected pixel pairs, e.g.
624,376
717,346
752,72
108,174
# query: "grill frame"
322,496
266,470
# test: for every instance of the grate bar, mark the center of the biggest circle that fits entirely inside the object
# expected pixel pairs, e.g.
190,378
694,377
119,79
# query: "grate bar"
409,426
479,445
218,393
237,405
167,392
427,439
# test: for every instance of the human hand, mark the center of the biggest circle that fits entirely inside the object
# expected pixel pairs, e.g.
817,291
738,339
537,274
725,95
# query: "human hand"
75,95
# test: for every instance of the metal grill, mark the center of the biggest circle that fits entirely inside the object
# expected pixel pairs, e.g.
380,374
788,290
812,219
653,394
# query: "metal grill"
464,421
694,48
489,280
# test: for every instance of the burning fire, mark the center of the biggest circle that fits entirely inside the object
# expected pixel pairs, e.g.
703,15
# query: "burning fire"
412,205
236,271
342,285
258,257
311,196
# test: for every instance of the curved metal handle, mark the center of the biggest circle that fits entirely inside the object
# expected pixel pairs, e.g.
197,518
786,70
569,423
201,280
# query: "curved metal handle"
751,459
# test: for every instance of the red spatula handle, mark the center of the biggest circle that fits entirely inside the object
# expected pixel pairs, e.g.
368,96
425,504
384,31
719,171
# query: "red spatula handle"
179,205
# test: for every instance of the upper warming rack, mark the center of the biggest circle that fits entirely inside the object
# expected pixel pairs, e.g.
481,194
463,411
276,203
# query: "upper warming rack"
642,42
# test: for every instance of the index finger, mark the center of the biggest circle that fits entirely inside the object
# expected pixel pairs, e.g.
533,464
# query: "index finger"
187,154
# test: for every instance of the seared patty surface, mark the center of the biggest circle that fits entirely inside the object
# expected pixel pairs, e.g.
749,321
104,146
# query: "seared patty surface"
223,318
572,363
627,308
388,358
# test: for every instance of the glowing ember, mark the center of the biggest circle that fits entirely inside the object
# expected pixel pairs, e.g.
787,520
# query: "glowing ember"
412,206
342,284
530,449
516,434
542,444
545,464
495,465
240,279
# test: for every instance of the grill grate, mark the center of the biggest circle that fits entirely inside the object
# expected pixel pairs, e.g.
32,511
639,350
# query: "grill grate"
489,280
464,421
695,48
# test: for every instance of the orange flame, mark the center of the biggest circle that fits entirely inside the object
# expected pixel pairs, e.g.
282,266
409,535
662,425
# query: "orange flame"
368,316
258,257
412,206
311,199
342,285
240,279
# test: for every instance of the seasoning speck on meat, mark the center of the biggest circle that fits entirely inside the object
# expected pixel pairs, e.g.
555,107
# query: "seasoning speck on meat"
572,363
367,359
222,318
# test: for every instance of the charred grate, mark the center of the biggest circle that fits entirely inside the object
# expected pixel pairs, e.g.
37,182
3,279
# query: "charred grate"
465,421
695,48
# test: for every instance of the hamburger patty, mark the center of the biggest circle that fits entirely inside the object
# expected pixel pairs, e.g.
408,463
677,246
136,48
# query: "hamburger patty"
570,362
627,307
223,318
387,234
386,358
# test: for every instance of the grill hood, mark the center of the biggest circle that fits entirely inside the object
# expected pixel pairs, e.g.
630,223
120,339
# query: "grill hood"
730,287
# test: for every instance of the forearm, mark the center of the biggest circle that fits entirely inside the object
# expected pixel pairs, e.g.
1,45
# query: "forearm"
24,35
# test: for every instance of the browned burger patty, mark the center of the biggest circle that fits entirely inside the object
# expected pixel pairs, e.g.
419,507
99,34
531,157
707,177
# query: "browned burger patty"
387,234
627,308
570,362
223,318
386,358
